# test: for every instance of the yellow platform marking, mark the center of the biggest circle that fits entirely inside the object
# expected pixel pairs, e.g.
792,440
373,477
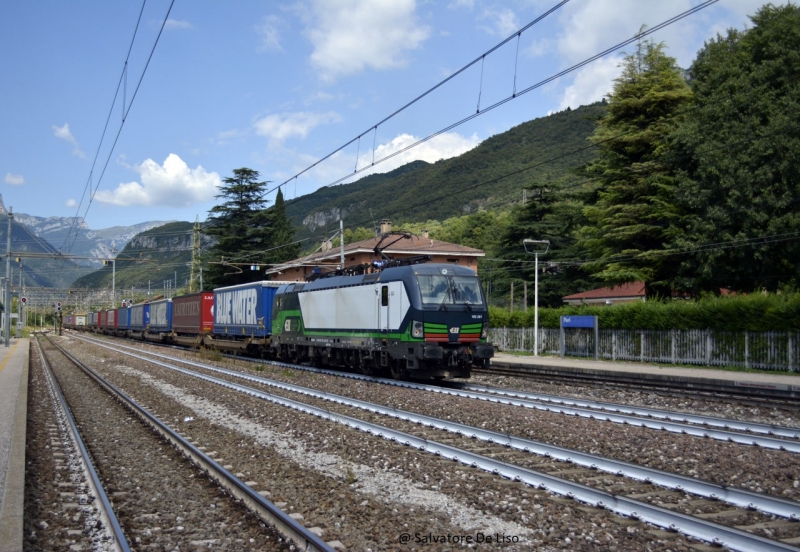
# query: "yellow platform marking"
8,356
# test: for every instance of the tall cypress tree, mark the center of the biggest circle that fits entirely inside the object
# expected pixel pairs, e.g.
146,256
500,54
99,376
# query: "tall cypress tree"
241,226
635,218
282,234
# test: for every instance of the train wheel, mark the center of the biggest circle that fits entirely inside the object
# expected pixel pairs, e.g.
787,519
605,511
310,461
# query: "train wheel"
398,370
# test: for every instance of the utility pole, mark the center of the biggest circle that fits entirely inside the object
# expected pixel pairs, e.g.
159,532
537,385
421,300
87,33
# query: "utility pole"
7,299
197,266
341,242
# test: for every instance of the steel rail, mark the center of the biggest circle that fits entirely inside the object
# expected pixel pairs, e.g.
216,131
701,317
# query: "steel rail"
106,511
734,539
781,392
680,417
265,509
738,497
649,423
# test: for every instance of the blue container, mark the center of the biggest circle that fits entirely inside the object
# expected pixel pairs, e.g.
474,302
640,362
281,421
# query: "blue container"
161,316
139,317
244,310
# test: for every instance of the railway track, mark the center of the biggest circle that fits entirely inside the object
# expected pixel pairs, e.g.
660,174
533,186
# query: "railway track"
682,504
707,427
137,455
752,396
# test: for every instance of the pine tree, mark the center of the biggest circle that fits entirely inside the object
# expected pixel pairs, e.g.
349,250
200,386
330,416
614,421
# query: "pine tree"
635,218
241,226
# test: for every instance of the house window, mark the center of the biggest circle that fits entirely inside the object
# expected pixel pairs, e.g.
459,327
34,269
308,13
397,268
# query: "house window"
454,261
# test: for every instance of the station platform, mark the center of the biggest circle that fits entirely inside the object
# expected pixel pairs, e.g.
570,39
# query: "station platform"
779,385
13,420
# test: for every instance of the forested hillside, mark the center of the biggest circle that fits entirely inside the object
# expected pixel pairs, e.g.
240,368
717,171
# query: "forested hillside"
152,257
551,148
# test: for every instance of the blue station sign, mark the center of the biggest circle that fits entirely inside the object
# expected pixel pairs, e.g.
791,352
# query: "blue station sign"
577,321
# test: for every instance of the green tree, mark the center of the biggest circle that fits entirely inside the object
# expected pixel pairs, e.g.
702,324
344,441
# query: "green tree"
549,215
241,226
634,218
281,248
739,158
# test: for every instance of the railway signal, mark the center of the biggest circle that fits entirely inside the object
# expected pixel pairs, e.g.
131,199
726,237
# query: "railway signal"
24,300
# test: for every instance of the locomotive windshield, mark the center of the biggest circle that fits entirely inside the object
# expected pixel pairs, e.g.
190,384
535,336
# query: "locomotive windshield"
449,290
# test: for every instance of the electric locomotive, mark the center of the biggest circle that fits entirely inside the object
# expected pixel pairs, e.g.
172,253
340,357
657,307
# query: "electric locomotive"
419,320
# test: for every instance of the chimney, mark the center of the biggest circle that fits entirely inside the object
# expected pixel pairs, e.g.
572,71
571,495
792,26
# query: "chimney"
386,226
425,235
327,245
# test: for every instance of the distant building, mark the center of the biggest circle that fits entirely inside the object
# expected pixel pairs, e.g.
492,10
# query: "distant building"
363,252
623,293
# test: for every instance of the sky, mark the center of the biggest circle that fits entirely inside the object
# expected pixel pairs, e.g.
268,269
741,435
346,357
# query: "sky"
276,86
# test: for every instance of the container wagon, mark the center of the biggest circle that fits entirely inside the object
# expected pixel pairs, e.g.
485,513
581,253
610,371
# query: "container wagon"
139,319
242,317
192,318
160,325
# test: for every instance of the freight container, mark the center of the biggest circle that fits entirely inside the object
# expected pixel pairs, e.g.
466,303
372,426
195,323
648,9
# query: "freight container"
123,320
161,315
102,316
193,314
139,317
244,311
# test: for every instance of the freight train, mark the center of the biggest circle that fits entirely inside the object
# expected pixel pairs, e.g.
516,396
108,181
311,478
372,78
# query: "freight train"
418,321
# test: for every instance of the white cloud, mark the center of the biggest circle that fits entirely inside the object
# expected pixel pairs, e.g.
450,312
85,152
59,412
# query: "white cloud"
279,127
591,83
444,146
177,24
64,134
172,184
270,33
588,28
350,36
14,179
468,4
71,203
500,22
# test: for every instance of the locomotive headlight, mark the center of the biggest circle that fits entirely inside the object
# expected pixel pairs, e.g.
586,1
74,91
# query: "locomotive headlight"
417,329
485,330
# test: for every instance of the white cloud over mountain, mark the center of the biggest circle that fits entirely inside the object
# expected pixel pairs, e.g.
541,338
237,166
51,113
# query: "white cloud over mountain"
172,184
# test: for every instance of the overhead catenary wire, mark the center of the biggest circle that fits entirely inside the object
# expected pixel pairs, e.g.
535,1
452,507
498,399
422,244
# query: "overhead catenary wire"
126,110
507,99
421,96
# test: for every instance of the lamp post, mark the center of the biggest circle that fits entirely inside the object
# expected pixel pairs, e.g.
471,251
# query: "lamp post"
114,278
7,299
536,246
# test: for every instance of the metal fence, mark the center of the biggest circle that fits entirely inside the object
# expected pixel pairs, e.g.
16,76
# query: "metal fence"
761,350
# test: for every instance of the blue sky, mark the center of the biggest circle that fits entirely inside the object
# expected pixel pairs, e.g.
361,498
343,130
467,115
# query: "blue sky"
275,86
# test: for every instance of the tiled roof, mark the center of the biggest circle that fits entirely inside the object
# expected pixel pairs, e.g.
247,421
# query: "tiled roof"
630,289
415,245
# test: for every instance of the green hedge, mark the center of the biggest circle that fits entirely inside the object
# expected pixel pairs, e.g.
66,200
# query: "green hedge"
757,312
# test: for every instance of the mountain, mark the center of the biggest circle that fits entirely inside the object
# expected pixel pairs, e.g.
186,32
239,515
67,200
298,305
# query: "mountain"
554,146
148,260
48,236
43,269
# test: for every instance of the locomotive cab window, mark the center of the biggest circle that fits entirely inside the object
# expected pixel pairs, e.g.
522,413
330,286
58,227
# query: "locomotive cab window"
384,296
449,290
